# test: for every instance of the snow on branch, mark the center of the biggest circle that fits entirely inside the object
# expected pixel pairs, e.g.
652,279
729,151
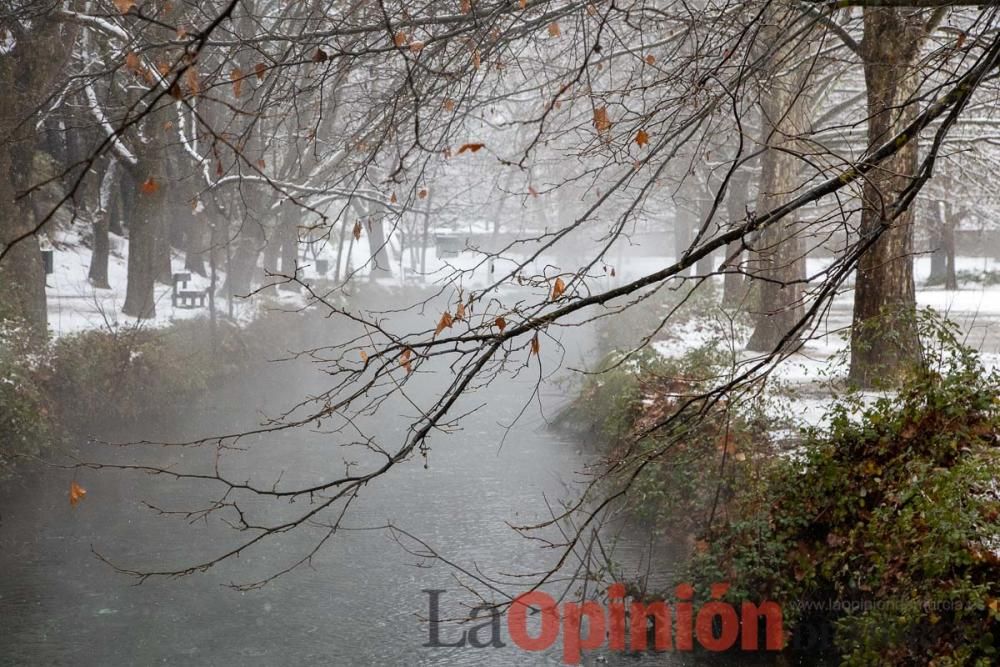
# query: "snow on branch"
116,143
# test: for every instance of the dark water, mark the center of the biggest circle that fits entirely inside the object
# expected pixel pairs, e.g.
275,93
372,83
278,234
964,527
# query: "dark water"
359,602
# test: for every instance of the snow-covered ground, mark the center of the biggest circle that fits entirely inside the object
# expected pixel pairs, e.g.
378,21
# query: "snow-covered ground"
811,374
75,305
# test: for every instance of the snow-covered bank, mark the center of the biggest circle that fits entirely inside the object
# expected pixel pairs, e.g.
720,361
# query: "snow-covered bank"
809,378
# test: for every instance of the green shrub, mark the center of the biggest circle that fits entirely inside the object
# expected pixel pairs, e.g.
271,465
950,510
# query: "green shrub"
124,374
893,510
24,405
680,454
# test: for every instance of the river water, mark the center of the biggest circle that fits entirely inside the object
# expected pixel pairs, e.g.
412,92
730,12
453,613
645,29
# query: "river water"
361,600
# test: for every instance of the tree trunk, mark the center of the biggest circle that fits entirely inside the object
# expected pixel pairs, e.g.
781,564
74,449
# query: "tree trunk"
378,246
706,265
164,250
142,240
778,262
734,284
243,264
289,253
682,235
124,202
948,241
884,340
22,272
28,70
194,247
425,234
939,257
778,259
98,273
272,251
337,270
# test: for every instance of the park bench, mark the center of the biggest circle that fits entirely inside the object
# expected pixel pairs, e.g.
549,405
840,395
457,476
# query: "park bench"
182,297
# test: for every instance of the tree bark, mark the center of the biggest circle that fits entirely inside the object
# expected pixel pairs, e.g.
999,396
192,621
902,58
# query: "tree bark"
682,235
950,275
734,283
22,271
706,265
98,274
194,247
289,237
272,252
378,247
939,259
140,299
27,73
245,253
943,247
778,263
884,340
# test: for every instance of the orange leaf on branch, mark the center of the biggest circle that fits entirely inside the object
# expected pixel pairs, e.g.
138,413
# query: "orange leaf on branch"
535,345
404,360
601,121
470,147
399,39
501,323
444,323
558,288
124,6
641,138
236,76
192,80
132,62
357,231
554,30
